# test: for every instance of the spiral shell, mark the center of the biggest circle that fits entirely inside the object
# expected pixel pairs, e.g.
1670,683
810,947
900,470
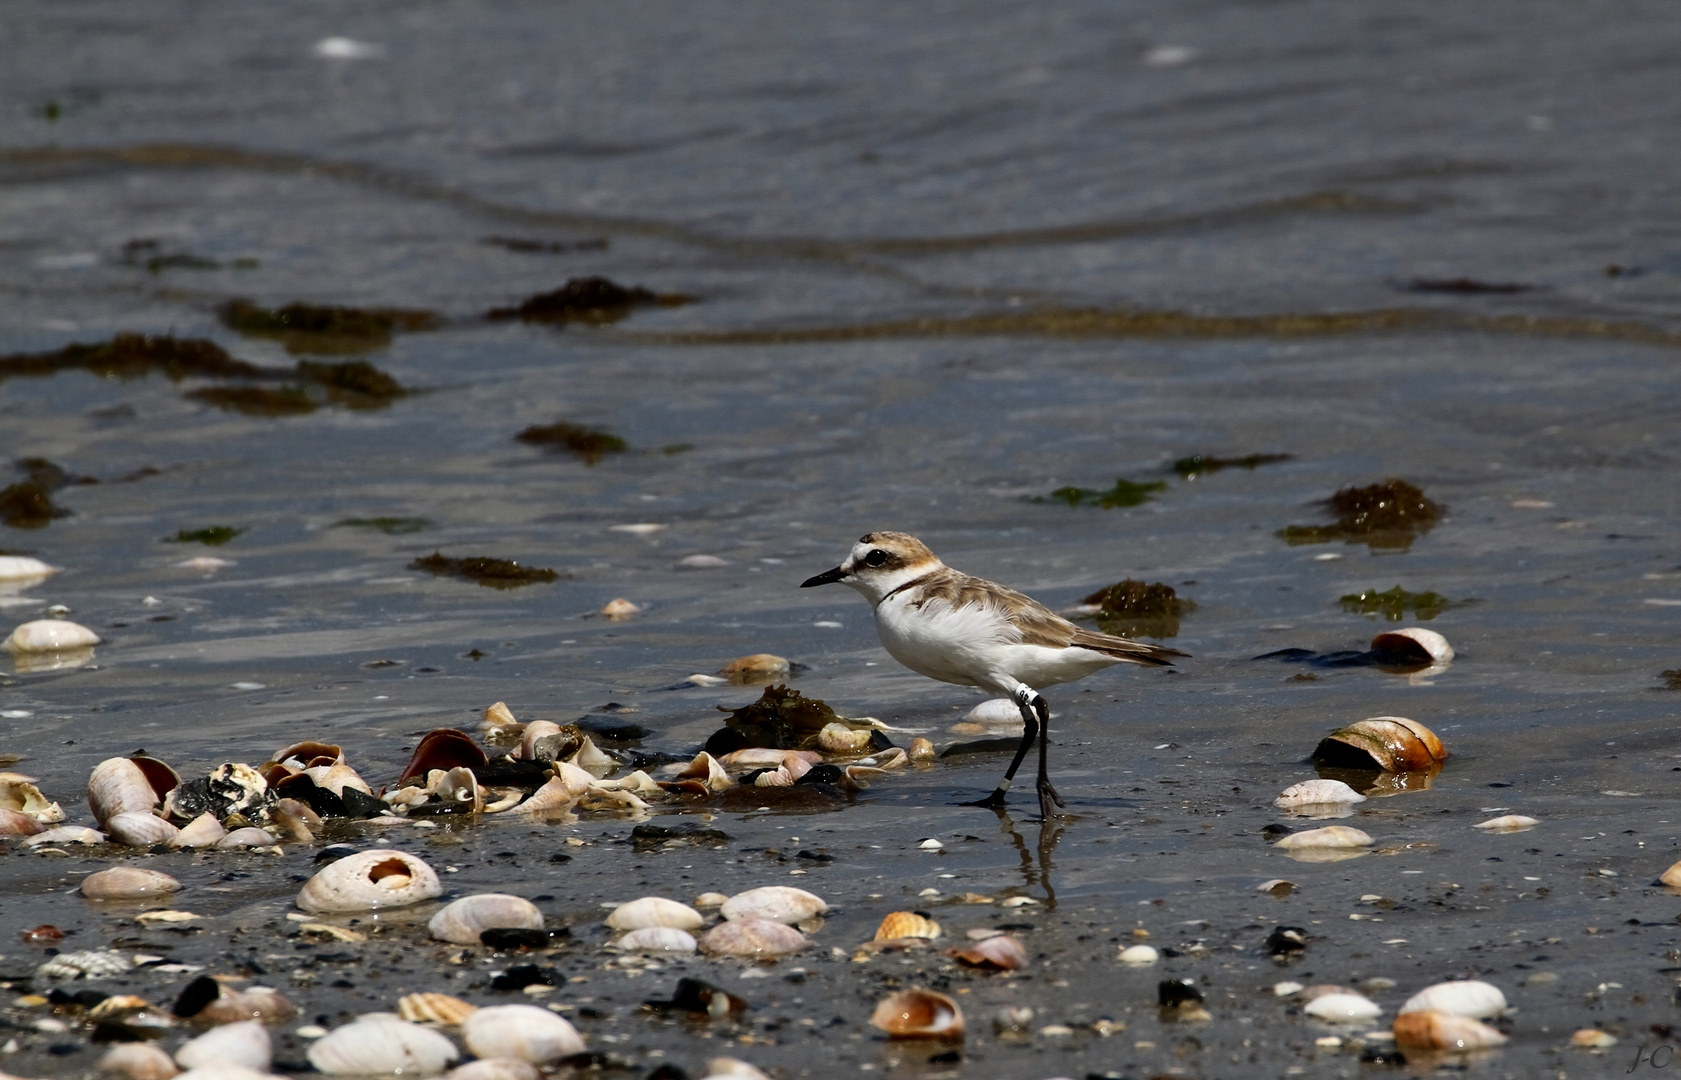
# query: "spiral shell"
779,903
653,911
760,938
460,787
49,635
140,830
525,1032
1466,997
434,1009
138,1061
119,786
464,920
203,831
381,1044
1000,952
127,883
19,794
836,738
245,1044
919,1014
23,568
1415,642
18,823
708,771
1431,1030
1389,743
906,924
657,939
496,1068
370,881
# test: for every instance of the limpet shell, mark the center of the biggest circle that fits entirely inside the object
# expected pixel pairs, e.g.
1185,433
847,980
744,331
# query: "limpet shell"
1507,823
1430,1030
780,903
139,830
464,920
245,1044
760,938
127,883
1001,952
1317,792
1342,1007
382,1044
1465,997
919,1014
655,911
497,1068
526,1032
1415,642
1389,743
49,635
370,881
434,1009
657,939
138,1061
906,924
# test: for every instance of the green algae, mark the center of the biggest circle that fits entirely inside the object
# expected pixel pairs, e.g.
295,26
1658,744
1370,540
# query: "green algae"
1390,514
594,300
1189,468
780,718
134,356
1125,493
490,572
587,444
1135,609
1393,604
324,329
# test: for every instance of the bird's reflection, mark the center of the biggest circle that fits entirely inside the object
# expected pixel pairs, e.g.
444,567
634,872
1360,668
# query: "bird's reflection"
1036,864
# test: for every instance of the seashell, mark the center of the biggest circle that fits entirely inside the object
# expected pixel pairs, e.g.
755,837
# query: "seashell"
613,799
464,920
921,751
728,1068
127,883
500,799
19,794
382,1044
1415,642
460,787
203,831
773,778
716,899
837,738
1324,845
755,668
205,563
497,1068
442,748
1341,1007
499,724
245,1044
120,786
138,1061
1507,823
590,759
250,836
130,1009
919,1014
655,911
413,795
66,834
295,820
759,938
657,939
904,924
310,753
893,758
526,1032
1138,955
22,567
93,963
434,1009
618,608
536,731
140,830
760,757
1429,1030
1466,997
369,881
18,823
778,903
1672,876
1389,743
1317,792
1001,952
552,797
708,771
258,1003
49,635
636,780
336,777
1593,1039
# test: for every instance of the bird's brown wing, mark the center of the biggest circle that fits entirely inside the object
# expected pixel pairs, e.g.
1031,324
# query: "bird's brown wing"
1039,625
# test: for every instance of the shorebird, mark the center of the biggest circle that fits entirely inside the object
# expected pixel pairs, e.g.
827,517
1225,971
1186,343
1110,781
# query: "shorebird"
966,630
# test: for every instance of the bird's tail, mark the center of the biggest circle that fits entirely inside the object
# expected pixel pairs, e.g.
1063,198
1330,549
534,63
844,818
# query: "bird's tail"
1132,652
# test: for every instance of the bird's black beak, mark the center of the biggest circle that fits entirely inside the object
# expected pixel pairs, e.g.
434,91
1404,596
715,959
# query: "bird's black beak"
827,577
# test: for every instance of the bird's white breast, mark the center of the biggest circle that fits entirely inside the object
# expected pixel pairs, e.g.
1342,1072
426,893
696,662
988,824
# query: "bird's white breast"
974,646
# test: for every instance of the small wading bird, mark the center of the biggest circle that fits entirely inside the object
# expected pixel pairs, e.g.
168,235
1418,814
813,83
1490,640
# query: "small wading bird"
967,630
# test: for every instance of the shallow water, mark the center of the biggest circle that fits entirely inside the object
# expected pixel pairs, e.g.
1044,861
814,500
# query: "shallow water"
920,239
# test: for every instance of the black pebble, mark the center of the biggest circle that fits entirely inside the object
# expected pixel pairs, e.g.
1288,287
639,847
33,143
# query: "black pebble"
1174,992
1286,939
195,996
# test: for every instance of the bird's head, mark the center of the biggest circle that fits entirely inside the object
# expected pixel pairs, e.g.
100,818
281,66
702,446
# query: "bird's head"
879,563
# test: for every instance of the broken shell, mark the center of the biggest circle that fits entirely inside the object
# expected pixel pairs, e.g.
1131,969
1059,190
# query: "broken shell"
336,777
1507,823
552,797
309,753
49,635
534,732
1332,836
442,748
655,911
18,567
1672,876
760,938
526,1032
840,739
18,823
747,669
1466,997
779,903
464,920
250,836
919,1014
66,834
259,1003
19,794
138,1061
716,899
1138,955
1429,1030
434,1009
381,1044
127,883
460,787
708,771
906,924
1389,743
1415,642
140,830
370,881
1342,1007
1001,952
497,1068
590,759
921,751
657,939
1592,1039
295,819
202,831
245,1044
1317,792
499,724
773,778
120,786
619,608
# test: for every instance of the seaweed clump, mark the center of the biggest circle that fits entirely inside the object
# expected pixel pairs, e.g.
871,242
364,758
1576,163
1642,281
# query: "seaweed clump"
354,384
133,356
1391,514
595,300
28,504
490,572
1189,468
213,536
1125,493
1394,604
323,329
1134,609
587,443
390,526
1672,679
257,400
781,718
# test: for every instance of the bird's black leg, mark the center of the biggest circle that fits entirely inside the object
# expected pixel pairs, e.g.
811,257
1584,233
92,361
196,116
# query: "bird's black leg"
1030,730
1047,793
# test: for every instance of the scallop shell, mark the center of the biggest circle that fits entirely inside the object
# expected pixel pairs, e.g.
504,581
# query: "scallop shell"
760,938
526,1032
381,1044
774,778
464,920
1507,823
127,883
22,567
837,738
250,836
1430,1030
245,1044
1417,642
919,1014
906,924
779,903
138,1061
49,635
1001,952
921,751
66,834
655,911
657,939
18,823
1138,955
259,1003
19,794
1390,743
1342,1007
434,1009
140,830
497,1068
1467,997
203,831
370,881
1317,792
119,786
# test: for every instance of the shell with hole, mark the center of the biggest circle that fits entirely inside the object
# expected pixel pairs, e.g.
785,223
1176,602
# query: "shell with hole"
137,1061
1386,743
655,911
760,938
19,793
140,830
464,920
382,1044
1431,1030
428,1008
779,903
49,635
370,881
1001,952
906,924
919,1014
657,939
496,1068
1415,643
526,1032
1462,997
245,1044
128,883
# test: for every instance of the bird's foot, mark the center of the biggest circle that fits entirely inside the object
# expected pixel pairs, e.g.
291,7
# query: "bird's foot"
995,801
1048,796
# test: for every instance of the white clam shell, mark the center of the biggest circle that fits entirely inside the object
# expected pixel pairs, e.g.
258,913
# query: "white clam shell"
839,739
1002,714
49,635
22,568
128,883
1425,644
1469,997
1342,1007
657,939
117,786
1317,792
1138,955
245,1044
652,911
535,731
138,1061
1332,836
370,881
497,1068
66,834
225,1071
525,1032
140,830
250,836
779,903
759,938
591,759
18,823
1431,1030
464,920
381,1044
1507,823
203,831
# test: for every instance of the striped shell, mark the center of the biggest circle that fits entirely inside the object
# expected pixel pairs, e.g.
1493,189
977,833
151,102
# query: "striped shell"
759,938
119,786
779,903
1391,743
919,1014
370,881
464,920
906,924
140,830
381,1044
127,883
526,1032
434,1009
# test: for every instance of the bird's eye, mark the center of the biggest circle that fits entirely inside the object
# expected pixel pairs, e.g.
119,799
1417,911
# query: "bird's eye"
875,558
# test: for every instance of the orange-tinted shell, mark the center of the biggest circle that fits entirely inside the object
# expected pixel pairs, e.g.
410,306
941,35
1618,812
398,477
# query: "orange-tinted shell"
999,953
919,1014
1429,1030
904,924
1393,743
